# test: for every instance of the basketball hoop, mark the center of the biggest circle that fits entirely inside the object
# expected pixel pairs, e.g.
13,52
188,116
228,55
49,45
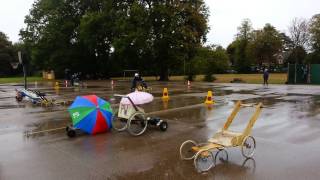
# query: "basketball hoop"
14,65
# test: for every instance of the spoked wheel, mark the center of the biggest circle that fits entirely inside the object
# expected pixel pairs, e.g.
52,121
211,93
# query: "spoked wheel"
119,124
203,160
248,146
221,156
137,124
186,151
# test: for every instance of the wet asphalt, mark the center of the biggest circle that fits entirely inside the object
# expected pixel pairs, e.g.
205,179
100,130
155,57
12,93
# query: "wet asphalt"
287,134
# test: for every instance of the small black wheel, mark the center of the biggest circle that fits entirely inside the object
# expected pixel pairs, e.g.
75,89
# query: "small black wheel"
71,133
163,126
19,98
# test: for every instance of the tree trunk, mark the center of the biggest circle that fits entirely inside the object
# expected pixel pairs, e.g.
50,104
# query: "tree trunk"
164,74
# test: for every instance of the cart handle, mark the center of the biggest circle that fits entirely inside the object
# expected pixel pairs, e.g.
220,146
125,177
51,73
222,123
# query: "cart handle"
250,105
119,95
124,96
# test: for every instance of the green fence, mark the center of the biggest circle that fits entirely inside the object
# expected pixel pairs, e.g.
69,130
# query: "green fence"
303,74
315,74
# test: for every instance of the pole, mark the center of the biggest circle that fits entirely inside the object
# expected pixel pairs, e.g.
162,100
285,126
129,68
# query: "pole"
25,76
184,66
24,69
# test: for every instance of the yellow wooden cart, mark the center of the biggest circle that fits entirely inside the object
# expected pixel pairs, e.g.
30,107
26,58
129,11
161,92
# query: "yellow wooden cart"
202,153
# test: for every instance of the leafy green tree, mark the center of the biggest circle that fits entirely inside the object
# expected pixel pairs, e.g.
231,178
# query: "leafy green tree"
266,45
210,60
238,49
314,30
7,54
106,36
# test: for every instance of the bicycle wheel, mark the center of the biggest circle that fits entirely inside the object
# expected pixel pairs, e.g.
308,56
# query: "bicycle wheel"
137,123
119,124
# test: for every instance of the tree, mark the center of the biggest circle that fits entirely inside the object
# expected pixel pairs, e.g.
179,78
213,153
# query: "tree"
238,49
314,30
210,60
266,45
7,54
299,32
103,36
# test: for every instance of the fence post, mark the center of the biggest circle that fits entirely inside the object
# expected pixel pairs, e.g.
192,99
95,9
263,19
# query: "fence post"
309,74
295,73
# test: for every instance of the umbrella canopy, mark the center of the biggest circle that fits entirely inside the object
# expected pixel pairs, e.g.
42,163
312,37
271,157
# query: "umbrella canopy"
91,114
137,98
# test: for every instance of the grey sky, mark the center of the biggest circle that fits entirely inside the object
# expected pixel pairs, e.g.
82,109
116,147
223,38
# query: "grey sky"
225,15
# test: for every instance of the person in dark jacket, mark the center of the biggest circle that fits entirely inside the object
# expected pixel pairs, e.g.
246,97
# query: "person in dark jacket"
137,79
265,77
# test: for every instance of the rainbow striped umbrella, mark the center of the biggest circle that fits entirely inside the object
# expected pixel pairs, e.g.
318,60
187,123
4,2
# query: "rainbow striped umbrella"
91,114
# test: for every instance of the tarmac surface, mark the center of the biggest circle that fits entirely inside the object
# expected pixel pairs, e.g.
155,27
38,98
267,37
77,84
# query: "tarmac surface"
287,134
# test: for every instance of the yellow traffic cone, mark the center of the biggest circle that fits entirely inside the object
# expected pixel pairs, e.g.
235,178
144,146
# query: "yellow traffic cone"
209,98
165,94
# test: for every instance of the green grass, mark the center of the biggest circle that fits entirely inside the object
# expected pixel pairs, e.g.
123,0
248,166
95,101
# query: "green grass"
274,78
19,79
277,78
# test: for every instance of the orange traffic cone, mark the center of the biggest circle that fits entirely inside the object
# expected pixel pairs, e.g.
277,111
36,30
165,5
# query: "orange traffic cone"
165,94
209,98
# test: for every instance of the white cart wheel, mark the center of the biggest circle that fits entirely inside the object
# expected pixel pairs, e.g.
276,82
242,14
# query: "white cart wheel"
186,152
119,124
204,160
248,146
221,156
137,123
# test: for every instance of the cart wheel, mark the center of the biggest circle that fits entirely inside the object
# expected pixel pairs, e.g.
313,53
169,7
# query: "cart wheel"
71,133
186,152
163,126
119,124
248,146
203,160
221,156
137,123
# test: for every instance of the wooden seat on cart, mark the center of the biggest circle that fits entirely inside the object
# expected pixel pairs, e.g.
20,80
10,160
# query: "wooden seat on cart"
225,138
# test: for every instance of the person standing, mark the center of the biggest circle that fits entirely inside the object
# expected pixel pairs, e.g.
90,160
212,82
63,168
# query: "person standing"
265,77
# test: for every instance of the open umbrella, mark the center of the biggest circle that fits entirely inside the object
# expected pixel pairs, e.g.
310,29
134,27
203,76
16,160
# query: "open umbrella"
137,98
91,114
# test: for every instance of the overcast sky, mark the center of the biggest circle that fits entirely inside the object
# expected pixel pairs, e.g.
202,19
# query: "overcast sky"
225,15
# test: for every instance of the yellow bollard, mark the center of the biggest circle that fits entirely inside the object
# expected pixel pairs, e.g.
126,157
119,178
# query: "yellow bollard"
56,86
165,103
209,98
165,94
